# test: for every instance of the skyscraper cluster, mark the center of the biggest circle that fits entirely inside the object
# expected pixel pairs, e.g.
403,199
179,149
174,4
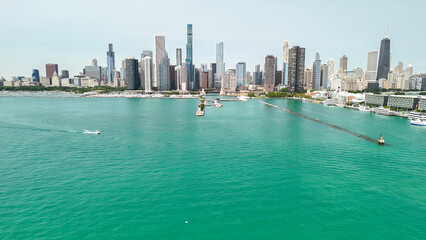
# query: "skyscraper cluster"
155,72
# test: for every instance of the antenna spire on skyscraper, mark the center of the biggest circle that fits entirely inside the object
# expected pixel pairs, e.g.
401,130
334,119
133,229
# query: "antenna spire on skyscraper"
387,31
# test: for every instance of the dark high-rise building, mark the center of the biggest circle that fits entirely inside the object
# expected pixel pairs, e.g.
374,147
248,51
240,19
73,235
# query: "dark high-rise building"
51,68
270,70
204,79
132,74
179,56
110,63
344,63
197,77
384,59
296,68
36,75
278,78
172,77
65,74
324,77
257,77
213,73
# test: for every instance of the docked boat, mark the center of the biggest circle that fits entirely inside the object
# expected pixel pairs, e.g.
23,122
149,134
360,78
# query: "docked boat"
364,109
418,122
329,102
218,105
384,111
417,115
243,98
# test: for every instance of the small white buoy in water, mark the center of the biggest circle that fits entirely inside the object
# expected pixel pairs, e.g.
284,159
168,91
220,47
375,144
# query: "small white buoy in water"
186,221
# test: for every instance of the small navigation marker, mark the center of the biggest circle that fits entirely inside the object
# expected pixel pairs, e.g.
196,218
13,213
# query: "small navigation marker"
381,141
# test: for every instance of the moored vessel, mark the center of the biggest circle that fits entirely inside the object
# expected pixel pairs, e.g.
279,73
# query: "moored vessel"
384,111
418,122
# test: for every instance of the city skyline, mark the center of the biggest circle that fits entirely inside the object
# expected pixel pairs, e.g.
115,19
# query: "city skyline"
72,45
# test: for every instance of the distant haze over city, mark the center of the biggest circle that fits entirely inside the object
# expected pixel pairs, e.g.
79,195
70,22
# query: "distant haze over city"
72,33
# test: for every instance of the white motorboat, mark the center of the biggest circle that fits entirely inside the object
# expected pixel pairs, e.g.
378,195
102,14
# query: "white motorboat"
89,132
418,122
364,109
243,98
417,115
329,102
384,111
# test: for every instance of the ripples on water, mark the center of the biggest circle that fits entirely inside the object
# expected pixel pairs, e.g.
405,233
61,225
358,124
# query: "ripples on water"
245,171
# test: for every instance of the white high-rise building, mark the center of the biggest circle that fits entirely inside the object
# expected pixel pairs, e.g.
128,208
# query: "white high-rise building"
146,68
330,64
285,63
371,73
178,70
220,65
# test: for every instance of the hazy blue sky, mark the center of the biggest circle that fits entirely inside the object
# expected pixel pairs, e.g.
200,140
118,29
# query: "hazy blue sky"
72,33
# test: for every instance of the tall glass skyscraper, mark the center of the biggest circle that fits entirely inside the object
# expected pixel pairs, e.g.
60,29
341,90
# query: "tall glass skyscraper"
110,63
162,64
316,72
36,75
219,58
189,59
241,74
178,56
189,44
257,76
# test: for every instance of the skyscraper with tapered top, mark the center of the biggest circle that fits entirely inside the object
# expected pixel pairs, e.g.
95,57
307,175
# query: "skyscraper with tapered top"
110,63
189,59
384,59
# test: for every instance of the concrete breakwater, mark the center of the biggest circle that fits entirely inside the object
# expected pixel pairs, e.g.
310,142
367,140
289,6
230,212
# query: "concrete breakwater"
324,123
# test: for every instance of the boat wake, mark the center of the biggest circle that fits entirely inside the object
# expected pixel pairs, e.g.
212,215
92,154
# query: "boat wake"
91,132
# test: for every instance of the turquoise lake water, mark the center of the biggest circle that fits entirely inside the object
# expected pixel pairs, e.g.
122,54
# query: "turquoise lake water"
245,171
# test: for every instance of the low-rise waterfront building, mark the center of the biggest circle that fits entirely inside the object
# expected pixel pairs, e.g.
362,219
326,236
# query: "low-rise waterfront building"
422,104
376,100
404,102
